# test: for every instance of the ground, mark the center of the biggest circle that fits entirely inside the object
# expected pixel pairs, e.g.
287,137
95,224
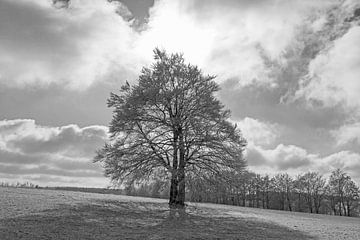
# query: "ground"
49,214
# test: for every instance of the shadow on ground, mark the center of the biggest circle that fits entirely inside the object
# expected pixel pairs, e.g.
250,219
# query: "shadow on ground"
138,220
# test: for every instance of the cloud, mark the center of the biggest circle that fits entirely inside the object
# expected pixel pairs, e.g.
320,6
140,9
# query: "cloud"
228,39
347,134
72,47
84,42
334,73
315,69
28,149
296,160
258,132
346,160
281,158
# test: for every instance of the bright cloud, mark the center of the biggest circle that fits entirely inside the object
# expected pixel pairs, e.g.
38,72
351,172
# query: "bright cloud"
31,151
89,41
228,39
347,133
258,132
281,158
335,73
296,160
72,47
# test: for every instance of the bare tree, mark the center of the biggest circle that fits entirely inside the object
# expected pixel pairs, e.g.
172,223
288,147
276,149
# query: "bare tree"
337,182
313,188
319,191
266,188
283,185
170,122
351,196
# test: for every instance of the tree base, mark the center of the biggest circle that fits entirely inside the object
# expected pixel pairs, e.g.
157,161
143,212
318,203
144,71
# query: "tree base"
177,205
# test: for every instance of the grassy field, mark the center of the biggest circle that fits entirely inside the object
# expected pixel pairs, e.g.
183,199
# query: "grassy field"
49,214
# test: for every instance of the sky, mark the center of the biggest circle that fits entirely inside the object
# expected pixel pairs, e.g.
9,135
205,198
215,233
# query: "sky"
289,71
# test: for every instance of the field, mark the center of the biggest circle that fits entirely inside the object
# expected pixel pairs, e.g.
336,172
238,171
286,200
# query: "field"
49,214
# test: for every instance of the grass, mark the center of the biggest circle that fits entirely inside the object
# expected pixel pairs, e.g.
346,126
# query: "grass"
47,214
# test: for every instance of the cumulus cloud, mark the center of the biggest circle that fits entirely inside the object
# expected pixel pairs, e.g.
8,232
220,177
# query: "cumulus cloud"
258,132
347,134
346,160
296,160
281,158
28,149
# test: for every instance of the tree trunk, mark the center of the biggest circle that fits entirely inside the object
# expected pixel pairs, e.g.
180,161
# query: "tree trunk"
173,190
177,200
181,185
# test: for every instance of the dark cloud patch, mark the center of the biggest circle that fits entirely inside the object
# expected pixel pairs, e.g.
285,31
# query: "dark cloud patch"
140,8
61,3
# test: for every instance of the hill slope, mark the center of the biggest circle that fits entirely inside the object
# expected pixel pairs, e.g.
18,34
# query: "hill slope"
48,214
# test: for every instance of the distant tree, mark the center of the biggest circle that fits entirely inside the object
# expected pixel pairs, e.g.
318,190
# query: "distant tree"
170,121
265,188
245,187
299,191
337,183
283,185
310,189
351,196
319,191
313,188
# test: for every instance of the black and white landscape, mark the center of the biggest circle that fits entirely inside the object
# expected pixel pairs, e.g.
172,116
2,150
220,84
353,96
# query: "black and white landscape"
231,119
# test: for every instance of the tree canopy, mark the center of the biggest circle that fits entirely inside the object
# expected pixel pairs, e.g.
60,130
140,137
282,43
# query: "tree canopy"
170,122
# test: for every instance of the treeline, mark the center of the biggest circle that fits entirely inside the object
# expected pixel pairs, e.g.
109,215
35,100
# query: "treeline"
19,185
89,190
308,192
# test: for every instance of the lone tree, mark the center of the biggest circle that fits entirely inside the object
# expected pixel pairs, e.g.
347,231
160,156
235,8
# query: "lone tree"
170,122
